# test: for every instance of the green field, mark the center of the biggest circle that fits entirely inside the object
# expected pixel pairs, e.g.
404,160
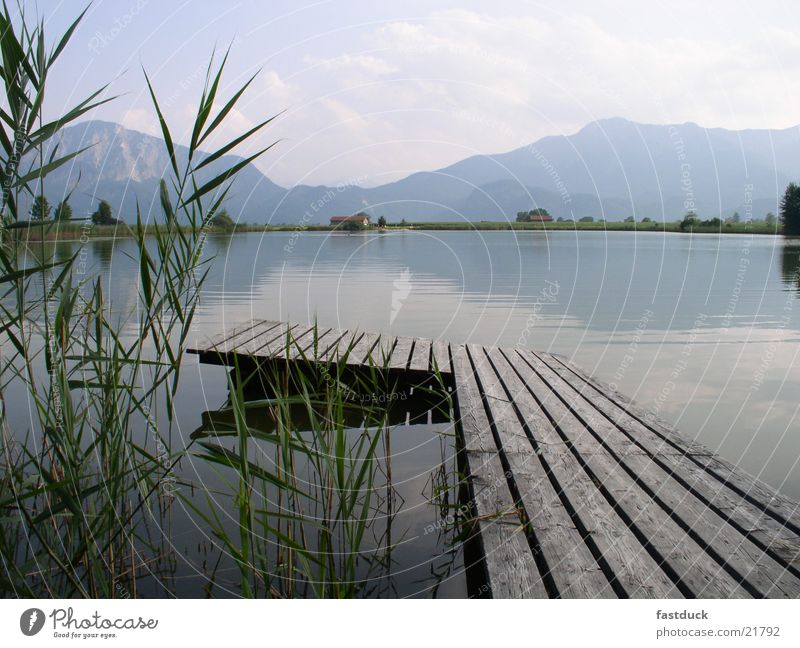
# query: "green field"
759,227
77,230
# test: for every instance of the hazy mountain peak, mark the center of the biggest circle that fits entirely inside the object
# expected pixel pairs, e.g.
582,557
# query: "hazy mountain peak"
607,123
612,167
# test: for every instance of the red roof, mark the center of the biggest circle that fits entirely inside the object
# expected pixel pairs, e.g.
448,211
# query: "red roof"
540,218
344,219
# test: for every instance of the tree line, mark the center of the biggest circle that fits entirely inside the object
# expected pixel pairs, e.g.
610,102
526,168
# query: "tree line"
41,211
789,215
104,214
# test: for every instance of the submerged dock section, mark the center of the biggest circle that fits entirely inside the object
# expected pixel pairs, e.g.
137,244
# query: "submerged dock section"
573,490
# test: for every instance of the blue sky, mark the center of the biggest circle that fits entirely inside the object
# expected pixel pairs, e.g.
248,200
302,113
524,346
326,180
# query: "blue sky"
376,90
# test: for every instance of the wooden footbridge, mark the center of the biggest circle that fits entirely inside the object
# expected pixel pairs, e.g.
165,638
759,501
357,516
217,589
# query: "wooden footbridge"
575,491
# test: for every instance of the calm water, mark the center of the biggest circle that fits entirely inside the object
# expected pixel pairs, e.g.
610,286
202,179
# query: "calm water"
702,330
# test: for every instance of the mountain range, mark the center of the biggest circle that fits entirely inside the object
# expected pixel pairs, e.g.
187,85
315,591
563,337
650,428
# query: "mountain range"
611,168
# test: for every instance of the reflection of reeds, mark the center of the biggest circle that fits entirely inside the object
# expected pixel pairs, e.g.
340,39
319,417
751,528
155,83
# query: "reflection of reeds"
306,485
306,446
445,492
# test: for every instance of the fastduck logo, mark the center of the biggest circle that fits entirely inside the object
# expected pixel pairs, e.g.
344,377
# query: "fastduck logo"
31,621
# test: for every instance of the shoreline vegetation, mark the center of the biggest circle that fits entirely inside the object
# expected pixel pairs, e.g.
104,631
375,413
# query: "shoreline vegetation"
77,231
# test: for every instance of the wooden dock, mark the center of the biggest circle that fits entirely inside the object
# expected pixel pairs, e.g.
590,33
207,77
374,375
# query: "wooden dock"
575,491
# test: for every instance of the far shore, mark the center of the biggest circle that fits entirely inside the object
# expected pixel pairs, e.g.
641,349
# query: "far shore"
78,231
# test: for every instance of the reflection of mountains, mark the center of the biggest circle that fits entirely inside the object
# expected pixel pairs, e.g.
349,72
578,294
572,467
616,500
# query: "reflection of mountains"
607,281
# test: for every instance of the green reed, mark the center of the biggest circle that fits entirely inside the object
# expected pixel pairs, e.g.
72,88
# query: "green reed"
78,486
97,461
306,494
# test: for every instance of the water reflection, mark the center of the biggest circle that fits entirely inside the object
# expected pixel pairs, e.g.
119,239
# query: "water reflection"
64,250
411,546
790,265
713,306
702,330
103,252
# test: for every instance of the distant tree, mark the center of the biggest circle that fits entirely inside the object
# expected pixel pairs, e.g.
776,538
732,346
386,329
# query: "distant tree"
403,222
790,210
689,220
559,220
223,221
63,211
770,219
353,225
526,217
630,219
41,208
647,219
382,221
587,219
736,218
104,215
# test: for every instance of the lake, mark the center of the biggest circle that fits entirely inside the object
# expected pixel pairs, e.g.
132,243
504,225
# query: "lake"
700,330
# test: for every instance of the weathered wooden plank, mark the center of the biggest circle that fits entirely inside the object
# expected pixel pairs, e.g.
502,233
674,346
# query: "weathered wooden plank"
325,338
337,352
572,566
360,353
753,506
380,353
279,348
420,356
331,344
212,343
265,344
762,575
635,570
295,341
441,355
510,567
303,346
243,336
657,504
401,352
721,501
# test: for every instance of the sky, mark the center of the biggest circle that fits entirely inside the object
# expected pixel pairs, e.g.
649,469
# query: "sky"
369,92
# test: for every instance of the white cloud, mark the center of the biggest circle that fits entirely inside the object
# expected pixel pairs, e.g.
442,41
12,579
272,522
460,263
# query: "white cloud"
424,93
141,120
279,90
362,63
